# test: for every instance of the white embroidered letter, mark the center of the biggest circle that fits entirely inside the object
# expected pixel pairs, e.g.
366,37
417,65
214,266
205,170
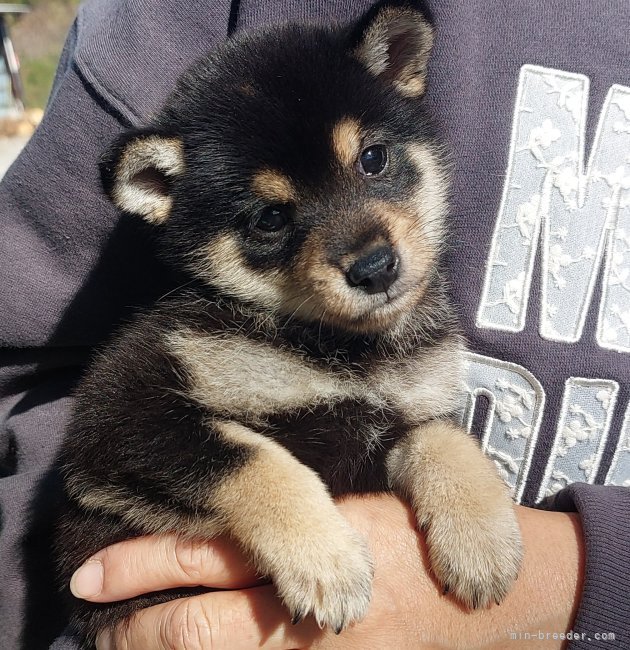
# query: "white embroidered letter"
516,403
578,211
585,415
619,472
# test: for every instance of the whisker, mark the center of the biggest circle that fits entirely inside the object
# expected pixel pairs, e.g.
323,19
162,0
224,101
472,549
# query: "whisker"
286,323
181,286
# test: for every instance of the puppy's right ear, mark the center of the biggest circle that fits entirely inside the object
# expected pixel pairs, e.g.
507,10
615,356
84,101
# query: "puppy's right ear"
137,173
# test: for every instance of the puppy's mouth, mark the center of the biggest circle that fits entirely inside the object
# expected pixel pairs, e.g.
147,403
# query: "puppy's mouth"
388,299
366,297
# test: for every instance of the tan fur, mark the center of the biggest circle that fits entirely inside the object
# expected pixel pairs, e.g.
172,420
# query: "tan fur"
418,253
221,264
247,89
163,154
273,186
346,141
425,385
323,285
375,55
235,375
471,529
328,289
137,512
429,202
316,287
281,513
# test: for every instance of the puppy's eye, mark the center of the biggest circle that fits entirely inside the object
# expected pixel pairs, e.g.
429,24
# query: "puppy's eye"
273,218
373,160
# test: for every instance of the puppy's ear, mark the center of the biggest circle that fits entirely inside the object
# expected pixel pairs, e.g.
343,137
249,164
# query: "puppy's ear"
137,173
393,40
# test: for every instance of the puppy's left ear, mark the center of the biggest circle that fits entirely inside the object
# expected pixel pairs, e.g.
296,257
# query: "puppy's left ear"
394,40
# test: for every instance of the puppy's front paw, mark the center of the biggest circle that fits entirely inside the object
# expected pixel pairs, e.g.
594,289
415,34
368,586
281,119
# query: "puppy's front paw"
329,577
475,555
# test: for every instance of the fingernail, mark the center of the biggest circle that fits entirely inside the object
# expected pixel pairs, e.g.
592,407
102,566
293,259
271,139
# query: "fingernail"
87,580
105,640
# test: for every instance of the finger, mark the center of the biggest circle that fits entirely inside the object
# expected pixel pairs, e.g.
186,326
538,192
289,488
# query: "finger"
229,620
146,564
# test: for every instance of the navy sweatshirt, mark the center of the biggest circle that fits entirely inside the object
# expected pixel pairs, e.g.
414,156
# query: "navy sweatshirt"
534,102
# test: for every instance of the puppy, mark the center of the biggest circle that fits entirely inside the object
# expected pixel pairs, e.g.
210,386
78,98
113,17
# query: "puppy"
294,175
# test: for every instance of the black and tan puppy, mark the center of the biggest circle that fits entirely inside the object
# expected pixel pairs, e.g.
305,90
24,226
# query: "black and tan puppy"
294,174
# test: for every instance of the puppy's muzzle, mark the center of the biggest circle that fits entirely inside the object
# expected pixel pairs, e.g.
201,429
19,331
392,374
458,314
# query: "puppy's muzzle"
374,272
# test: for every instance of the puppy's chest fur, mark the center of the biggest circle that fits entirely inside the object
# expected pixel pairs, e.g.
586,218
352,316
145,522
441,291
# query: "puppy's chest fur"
337,404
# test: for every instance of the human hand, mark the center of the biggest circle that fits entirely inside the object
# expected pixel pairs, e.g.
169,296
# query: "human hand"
408,609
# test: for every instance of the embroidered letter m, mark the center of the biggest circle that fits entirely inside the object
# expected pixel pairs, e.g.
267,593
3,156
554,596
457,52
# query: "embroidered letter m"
580,215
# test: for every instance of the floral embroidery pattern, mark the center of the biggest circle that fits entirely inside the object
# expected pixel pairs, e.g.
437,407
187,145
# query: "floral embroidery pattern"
577,212
586,412
516,402
619,472
515,407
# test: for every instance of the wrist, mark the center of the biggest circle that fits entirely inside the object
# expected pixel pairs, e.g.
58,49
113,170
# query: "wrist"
545,597
408,604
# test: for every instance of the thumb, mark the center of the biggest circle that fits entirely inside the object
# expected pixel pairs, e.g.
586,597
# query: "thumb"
146,564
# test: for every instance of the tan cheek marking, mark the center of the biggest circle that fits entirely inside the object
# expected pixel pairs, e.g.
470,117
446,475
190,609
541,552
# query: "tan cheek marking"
417,253
331,293
324,284
407,235
346,140
430,201
221,264
419,228
312,267
273,186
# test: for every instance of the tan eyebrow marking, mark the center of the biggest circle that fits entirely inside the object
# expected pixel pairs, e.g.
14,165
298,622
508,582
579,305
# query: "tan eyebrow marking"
273,186
346,140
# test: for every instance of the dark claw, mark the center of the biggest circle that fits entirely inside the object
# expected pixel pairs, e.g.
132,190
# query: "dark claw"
339,629
297,618
445,590
497,601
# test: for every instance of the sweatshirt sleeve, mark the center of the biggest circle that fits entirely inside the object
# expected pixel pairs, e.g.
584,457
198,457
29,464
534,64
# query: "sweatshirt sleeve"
605,604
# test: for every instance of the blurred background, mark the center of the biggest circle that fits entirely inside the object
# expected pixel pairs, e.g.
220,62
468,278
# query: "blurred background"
31,38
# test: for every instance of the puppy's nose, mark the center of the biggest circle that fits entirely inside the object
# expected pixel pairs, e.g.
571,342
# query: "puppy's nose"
375,272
